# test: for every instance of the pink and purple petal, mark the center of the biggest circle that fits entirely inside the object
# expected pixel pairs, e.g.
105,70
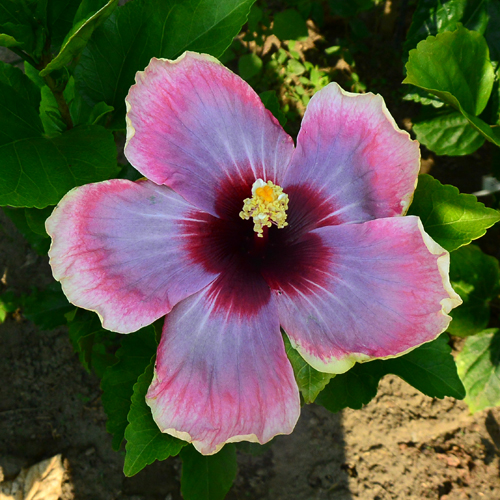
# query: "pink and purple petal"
121,249
197,127
363,291
352,159
222,374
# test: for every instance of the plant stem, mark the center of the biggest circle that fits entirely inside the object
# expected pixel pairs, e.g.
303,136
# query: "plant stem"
23,56
61,101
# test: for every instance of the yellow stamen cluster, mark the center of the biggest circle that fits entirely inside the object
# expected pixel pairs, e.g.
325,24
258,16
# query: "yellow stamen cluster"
267,206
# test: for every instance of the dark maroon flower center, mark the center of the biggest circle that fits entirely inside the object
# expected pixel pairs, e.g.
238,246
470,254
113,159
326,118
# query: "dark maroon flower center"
283,261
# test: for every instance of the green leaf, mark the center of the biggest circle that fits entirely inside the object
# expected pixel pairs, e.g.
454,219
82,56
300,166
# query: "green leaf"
36,219
37,172
450,218
8,304
8,41
140,30
90,340
289,25
99,111
430,368
352,389
145,442
448,133
418,95
456,67
207,477
270,101
294,67
479,368
60,16
19,101
249,66
17,22
310,381
78,37
118,381
437,16
475,276
492,33
39,243
47,308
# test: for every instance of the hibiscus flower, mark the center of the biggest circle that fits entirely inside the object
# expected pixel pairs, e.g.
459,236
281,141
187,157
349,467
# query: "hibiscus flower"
236,232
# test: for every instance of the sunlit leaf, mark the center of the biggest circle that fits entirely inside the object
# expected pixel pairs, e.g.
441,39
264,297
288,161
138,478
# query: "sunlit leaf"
475,276
451,218
448,133
310,381
455,66
429,368
479,368
437,16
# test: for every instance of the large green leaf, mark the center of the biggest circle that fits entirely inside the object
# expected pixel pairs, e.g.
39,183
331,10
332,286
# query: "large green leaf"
451,218
37,172
455,66
23,88
475,276
19,101
118,381
60,16
429,368
145,442
479,368
207,477
448,133
437,16
142,29
310,381
79,36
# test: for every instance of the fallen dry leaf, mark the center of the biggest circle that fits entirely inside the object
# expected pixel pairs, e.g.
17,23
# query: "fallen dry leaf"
42,481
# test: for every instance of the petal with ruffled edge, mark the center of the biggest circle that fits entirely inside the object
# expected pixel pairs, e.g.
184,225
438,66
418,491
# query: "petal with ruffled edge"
222,374
121,249
371,290
352,158
193,125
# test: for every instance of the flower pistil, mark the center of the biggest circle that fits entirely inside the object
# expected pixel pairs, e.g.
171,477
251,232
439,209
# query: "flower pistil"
267,206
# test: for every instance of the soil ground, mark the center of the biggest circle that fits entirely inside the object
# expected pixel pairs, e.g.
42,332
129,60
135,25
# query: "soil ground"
402,445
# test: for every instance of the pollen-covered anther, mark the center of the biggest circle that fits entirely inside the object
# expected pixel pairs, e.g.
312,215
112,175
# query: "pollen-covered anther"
267,206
